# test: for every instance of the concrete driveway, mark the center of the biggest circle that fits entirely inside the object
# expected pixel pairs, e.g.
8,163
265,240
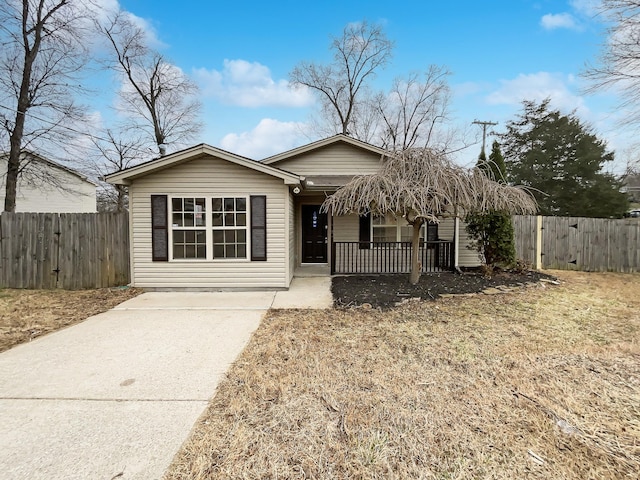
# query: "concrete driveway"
117,395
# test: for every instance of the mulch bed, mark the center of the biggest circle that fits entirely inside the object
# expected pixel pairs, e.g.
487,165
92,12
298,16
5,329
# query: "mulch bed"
386,291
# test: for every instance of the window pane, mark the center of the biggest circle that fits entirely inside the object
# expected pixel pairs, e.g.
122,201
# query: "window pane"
200,203
230,236
178,236
177,220
190,236
200,212
242,250
229,220
384,234
242,236
241,219
190,251
230,251
188,204
241,204
201,236
188,220
216,204
217,219
406,233
202,251
218,251
178,251
176,204
229,204
218,236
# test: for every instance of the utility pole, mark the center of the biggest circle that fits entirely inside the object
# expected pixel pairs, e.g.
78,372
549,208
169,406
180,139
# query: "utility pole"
484,131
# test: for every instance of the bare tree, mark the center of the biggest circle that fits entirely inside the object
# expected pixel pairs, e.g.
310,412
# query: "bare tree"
422,185
41,57
414,109
115,151
160,99
357,55
618,66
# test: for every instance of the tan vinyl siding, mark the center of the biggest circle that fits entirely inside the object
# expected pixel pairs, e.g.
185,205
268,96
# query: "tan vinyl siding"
467,257
335,159
208,176
346,228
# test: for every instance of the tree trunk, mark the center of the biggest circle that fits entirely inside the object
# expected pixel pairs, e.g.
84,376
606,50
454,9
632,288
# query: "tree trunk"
416,264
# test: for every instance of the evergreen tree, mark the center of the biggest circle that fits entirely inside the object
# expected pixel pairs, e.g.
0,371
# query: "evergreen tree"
492,233
562,161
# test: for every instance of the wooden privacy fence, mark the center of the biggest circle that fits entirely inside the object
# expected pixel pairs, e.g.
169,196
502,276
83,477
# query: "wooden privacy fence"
64,250
577,243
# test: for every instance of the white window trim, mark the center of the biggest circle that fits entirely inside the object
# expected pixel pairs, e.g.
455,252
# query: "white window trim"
208,228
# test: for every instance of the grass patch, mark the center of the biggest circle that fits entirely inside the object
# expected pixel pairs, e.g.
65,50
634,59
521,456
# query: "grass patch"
540,383
28,314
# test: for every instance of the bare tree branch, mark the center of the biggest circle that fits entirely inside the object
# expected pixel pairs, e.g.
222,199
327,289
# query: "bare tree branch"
160,99
618,66
358,54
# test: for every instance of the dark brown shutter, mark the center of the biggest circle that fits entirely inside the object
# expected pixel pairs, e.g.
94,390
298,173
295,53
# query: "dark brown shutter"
159,231
258,228
365,231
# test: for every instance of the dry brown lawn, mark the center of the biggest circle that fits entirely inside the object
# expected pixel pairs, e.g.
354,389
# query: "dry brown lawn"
28,314
541,383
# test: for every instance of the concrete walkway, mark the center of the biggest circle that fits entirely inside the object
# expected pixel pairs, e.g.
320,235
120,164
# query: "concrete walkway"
116,395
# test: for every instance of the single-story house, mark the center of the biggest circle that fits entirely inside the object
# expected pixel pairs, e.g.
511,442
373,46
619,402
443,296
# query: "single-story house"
45,186
207,218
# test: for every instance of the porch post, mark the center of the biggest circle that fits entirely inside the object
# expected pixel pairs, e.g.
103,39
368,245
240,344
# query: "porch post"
456,242
330,247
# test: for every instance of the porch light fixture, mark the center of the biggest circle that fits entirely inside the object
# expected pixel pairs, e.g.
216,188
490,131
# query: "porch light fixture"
296,190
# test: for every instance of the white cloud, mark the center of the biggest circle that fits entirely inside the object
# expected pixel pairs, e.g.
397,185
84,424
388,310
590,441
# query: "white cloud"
552,21
587,7
248,84
537,87
267,138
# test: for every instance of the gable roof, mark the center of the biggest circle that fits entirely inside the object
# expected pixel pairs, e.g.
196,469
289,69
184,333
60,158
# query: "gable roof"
39,158
124,177
339,138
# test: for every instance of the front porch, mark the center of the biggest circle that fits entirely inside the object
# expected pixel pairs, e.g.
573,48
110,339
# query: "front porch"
390,257
351,244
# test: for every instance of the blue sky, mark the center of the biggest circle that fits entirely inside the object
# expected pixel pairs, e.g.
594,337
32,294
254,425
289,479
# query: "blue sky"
499,52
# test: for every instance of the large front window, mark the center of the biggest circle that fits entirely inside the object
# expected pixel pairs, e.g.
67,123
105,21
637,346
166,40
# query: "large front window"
208,228
389,228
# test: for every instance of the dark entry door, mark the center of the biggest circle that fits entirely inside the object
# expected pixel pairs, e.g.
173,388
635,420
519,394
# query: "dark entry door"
314,235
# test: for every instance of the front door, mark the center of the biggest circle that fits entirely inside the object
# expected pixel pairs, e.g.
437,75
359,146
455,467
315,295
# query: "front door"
314,235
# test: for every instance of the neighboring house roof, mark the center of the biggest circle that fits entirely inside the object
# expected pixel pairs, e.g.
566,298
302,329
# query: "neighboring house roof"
339,138
124,177
39,158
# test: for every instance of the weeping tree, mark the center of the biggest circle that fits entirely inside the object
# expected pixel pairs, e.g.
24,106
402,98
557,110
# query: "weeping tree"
422,185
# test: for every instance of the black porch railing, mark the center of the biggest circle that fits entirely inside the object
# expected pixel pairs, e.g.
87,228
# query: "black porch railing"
389,257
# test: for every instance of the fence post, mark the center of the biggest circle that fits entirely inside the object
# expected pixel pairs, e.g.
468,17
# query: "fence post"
538,251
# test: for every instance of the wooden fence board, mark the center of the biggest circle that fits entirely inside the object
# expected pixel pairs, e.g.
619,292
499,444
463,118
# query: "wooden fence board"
71,251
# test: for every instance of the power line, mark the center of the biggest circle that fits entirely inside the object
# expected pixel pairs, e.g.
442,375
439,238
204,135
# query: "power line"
90,135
